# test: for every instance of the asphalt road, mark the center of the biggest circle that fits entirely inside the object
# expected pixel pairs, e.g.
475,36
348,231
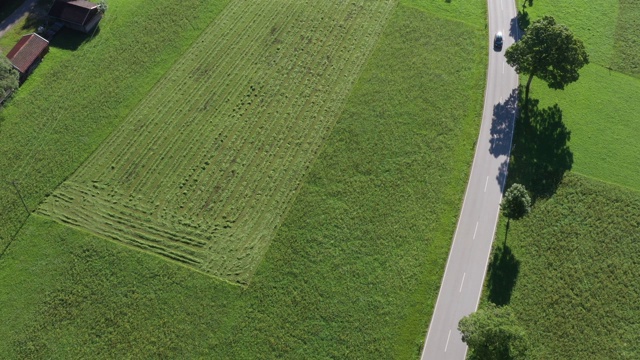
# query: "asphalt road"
465,270
15,17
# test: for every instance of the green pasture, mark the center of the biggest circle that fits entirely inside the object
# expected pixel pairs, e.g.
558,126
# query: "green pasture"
570,268
83,89
601,112
204,168
570,272
354,267
601,108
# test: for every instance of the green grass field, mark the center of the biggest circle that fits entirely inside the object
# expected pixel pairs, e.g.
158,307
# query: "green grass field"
354,268
575,264
205,167
83,89
601,108
570,269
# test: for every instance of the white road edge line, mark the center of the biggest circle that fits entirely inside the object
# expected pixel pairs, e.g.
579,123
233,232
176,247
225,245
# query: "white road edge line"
455,234
475,231
447,344
462,283
485,184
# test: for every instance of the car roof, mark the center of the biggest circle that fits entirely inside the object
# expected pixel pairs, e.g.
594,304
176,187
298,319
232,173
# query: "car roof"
499,34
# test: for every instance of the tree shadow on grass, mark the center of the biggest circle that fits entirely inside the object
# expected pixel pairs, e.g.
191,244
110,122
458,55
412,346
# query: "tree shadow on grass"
540,154
503,273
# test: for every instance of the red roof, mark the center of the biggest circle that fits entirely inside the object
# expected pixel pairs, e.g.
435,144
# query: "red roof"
27,51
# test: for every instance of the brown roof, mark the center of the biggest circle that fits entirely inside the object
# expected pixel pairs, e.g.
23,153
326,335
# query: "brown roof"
27,51
73,11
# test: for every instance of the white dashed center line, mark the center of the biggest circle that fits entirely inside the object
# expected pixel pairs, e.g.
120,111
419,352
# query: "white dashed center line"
447,344
462,283
474,231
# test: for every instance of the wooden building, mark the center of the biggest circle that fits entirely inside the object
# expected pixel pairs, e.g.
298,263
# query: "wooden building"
27,54
78,15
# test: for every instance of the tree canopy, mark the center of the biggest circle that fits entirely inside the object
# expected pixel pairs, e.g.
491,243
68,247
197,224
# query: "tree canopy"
493,333
550,52
516,202
8,76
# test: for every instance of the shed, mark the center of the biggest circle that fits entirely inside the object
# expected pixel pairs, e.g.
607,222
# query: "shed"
27,54
79,15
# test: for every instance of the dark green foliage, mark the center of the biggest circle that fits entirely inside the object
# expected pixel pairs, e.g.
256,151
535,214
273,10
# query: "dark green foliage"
8,76
516,202
550,52
493,333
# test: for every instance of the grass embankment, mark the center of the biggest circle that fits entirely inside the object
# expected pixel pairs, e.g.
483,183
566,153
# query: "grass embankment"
203,170
570,269
575,264
354,269
82,90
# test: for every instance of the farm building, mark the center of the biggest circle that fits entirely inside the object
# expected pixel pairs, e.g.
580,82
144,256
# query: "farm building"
27,54
78,15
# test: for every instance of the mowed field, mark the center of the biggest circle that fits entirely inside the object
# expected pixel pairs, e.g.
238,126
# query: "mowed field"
82,91
352,271
205,167
570,269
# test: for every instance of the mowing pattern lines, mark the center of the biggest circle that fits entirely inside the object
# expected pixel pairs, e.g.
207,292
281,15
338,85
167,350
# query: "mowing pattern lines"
204,169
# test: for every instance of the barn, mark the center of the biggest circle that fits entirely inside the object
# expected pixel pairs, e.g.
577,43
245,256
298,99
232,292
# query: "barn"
27,54
78,15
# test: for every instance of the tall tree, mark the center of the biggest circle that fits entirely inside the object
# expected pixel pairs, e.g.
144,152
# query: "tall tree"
516,202
493,333
8,76
550,52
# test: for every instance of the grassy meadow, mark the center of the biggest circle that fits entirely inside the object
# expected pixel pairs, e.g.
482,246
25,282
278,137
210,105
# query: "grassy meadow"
354,266
601,108
570,269
84,89
205,167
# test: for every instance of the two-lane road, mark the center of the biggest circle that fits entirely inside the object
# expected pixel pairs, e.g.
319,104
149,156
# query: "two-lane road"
464,275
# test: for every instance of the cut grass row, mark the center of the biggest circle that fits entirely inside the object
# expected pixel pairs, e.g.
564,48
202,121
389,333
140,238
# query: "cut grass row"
205,167
575,265
83,90
354,269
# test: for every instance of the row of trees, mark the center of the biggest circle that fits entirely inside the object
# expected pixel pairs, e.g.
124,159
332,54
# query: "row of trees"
8,76
550,52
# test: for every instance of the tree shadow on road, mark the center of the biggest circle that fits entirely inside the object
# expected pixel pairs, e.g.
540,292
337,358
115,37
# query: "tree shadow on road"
502,274
540,154
504,114
518,24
